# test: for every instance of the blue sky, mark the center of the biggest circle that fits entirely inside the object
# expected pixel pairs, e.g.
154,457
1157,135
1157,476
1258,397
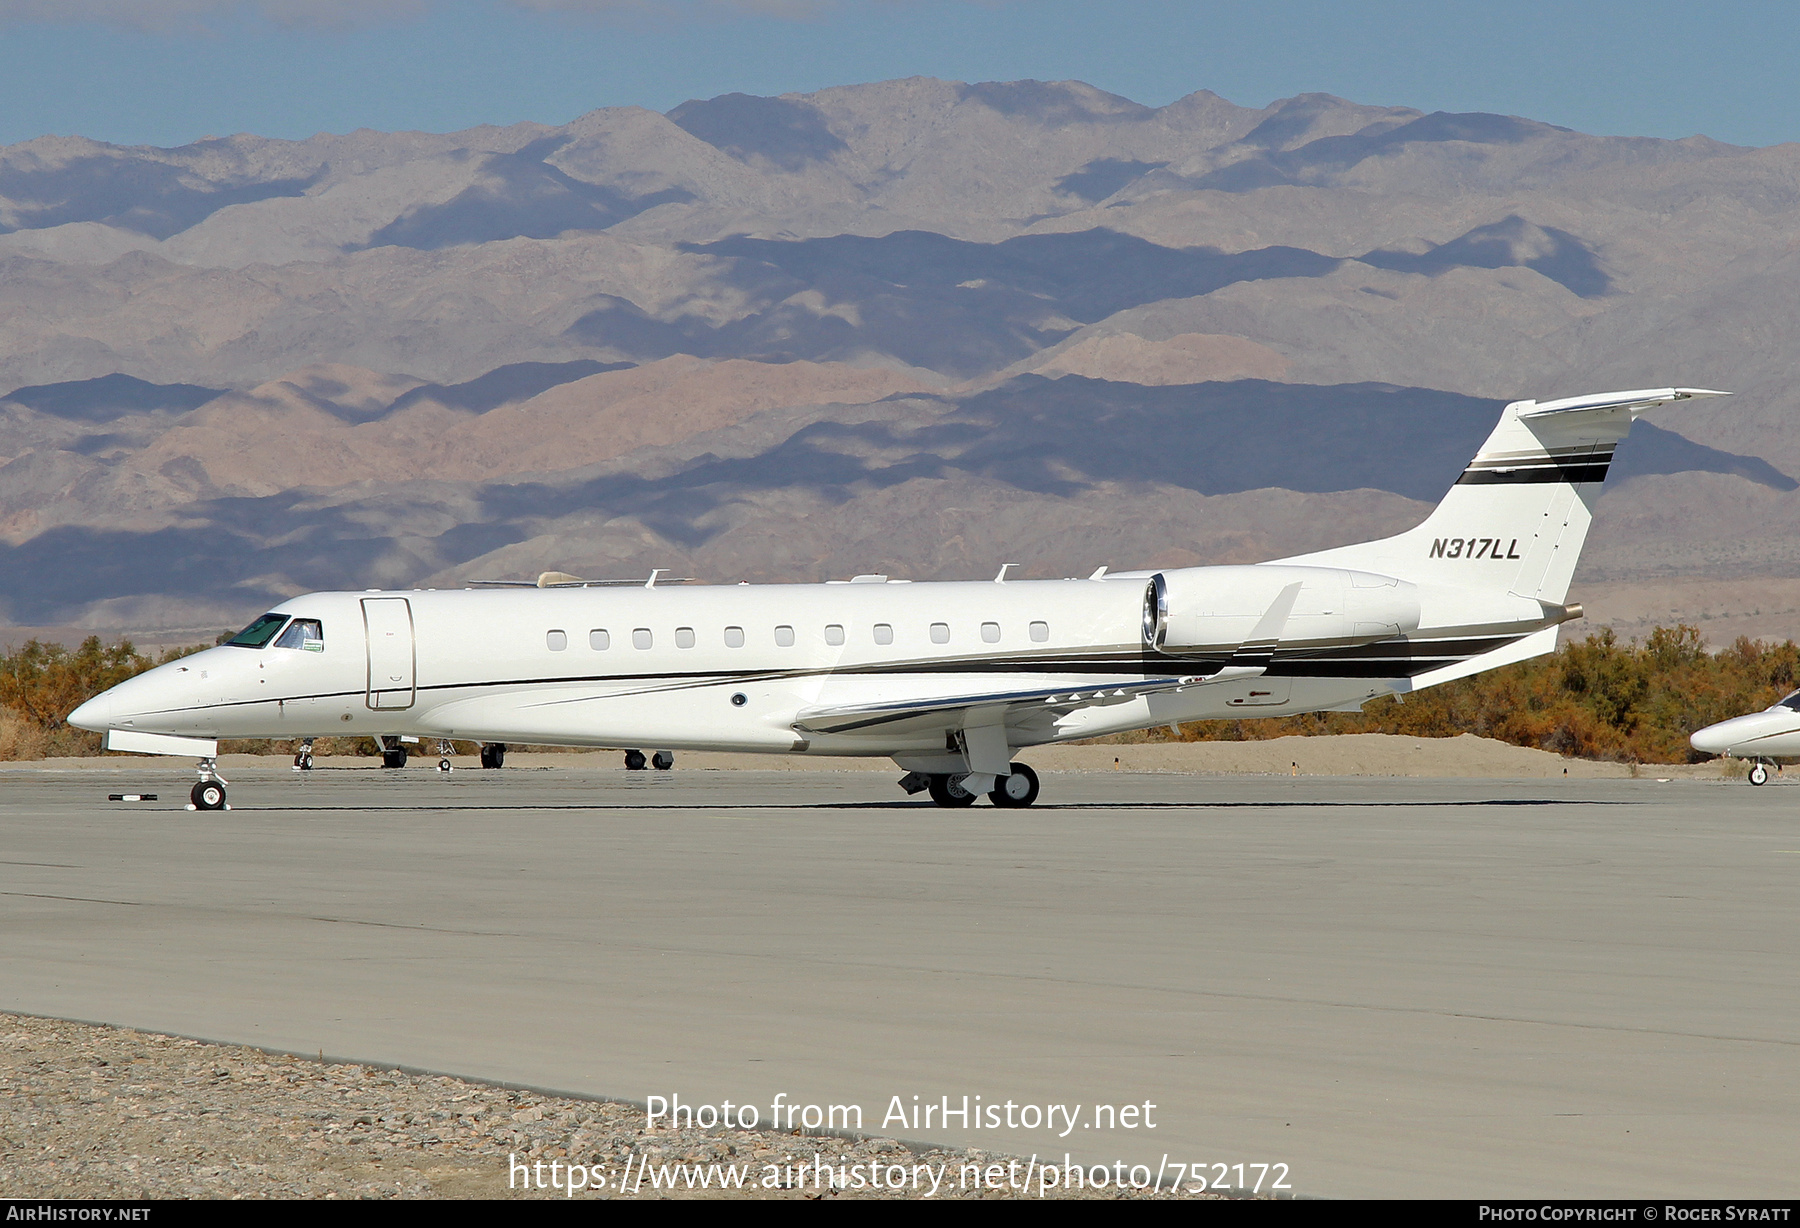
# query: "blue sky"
165,72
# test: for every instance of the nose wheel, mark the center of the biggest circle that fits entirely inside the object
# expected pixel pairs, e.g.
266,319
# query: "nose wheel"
1759,773
303,761
209,794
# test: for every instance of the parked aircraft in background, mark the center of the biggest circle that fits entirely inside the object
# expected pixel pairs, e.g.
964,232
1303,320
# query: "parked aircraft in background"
948,679
1764,738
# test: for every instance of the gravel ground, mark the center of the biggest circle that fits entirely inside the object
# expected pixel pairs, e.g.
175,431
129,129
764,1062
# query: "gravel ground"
98,1112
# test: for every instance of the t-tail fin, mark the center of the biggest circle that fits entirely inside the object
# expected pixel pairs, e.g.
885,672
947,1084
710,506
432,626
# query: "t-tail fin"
1518,516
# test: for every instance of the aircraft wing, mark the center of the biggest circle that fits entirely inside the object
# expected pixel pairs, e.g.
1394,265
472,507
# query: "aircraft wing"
848,718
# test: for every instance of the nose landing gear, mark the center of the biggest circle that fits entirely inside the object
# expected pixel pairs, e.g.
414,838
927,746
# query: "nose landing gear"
1759,773
209,794
303,760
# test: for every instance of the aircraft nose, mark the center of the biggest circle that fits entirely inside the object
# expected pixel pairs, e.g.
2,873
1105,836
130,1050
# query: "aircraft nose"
95,714
1720,738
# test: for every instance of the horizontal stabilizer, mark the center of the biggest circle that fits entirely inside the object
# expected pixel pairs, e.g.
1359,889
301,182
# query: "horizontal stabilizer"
1534,645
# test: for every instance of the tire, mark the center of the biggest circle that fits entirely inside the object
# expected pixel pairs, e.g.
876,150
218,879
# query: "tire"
208,795
663,760
947,795
497,752
634,761
1017,791
1759,775
395,758
443,765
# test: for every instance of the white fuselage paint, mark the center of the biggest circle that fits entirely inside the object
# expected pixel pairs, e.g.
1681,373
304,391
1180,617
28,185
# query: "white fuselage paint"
482,664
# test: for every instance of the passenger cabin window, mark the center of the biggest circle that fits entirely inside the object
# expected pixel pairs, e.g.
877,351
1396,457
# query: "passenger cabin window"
884,634
1040,632
684,637
303,633
641,638
784,637
940,633
557,640
834,634
258,633
734,637
990,633
598,640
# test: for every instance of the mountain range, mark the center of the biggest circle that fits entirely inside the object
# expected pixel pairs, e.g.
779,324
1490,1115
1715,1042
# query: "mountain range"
917,327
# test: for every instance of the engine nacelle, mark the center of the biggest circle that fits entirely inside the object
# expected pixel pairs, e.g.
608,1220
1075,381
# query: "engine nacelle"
1210,610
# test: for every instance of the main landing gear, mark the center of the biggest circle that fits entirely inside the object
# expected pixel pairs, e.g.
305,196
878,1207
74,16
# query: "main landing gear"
209,794
1014,791
493,755
393,754
662,760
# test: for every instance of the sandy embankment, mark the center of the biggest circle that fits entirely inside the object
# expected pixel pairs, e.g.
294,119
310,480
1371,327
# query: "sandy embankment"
1357,754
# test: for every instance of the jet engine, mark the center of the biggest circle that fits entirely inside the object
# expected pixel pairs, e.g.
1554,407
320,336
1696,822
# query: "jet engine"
1212,610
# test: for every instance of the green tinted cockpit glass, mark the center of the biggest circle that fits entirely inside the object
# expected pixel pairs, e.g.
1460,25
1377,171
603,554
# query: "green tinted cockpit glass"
259,632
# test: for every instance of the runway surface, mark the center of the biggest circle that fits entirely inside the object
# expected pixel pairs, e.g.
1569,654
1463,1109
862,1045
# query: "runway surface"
1395,987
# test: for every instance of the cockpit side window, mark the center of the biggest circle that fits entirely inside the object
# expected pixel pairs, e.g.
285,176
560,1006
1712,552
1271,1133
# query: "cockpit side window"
303,633
258,633
1791,702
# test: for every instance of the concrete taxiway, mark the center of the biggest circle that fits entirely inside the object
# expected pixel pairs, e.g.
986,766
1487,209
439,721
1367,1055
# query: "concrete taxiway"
1452,988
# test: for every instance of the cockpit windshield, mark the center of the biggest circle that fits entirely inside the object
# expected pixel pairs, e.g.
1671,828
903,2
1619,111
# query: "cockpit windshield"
258,633
303,633
1791,702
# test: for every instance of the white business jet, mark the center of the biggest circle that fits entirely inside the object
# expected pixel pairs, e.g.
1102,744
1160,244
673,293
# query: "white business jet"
947,679
1764,738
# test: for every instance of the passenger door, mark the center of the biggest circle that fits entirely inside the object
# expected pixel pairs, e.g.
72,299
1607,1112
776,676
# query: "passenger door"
388,621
